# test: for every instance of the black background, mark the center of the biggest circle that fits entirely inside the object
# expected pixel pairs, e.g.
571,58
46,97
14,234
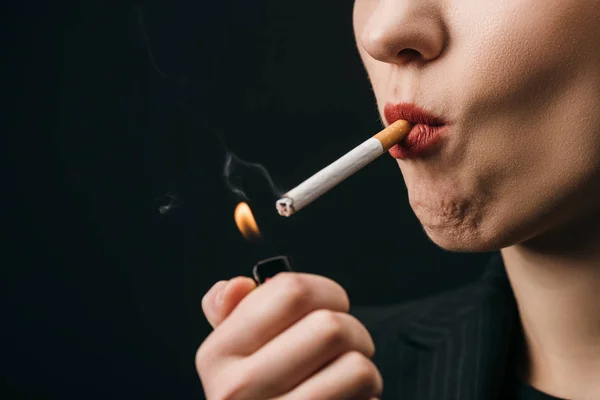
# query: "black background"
111,107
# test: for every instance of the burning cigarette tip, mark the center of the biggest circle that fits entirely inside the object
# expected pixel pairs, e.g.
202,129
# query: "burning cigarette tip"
285,207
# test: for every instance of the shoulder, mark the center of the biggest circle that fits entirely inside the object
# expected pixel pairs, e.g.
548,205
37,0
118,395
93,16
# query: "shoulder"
397,318
408,338
442,310
453,342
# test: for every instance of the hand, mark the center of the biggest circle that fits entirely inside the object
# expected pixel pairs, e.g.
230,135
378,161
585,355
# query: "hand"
291,338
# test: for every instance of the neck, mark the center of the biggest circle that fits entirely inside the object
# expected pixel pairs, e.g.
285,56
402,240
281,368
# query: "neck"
556,282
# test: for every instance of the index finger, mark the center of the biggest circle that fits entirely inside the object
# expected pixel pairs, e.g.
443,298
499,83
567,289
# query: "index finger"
274,307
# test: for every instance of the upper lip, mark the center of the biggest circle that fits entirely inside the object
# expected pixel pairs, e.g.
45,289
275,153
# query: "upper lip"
411,113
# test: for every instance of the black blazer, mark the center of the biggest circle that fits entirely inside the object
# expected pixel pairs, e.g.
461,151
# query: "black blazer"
454,346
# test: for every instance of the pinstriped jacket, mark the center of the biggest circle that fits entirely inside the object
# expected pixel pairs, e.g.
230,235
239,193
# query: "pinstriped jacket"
454,346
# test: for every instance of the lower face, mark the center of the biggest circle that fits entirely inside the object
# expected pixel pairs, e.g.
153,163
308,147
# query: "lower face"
519,83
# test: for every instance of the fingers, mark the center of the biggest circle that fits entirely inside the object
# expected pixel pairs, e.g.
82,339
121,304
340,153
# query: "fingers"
351,376
273,307
303,349
291,336
223,297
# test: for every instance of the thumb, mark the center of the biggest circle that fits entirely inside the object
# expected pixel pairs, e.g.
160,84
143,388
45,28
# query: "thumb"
223,297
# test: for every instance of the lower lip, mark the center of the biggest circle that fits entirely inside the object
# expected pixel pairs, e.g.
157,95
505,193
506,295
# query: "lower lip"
421,141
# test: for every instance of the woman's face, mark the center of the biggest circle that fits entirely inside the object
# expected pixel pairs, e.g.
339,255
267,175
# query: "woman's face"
519,83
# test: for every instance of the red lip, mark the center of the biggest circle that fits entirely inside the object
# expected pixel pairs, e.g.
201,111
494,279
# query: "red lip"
424,137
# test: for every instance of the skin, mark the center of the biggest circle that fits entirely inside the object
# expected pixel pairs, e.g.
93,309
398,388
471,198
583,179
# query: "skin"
519,169
291,338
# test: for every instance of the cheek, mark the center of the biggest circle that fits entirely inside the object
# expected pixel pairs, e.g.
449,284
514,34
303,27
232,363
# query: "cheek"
530,81
519,47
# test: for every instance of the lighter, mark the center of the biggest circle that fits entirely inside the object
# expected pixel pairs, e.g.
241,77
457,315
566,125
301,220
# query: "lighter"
268,268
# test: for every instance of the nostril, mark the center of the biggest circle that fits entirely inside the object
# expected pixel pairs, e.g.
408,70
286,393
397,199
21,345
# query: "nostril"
409,54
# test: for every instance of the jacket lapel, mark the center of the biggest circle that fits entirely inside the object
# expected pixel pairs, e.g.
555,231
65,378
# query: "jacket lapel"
453,347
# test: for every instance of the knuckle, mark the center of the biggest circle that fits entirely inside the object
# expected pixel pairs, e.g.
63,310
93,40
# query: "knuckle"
330,326
346,299
366,340
295,288
200,358
207,355
367,374
341,295
343,331
370,345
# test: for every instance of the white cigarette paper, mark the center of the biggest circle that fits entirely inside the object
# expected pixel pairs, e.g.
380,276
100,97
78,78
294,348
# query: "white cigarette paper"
350,163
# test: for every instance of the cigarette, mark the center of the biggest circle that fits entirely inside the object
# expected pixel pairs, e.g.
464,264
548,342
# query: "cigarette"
336,172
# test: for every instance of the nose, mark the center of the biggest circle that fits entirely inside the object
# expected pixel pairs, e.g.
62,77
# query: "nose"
401,32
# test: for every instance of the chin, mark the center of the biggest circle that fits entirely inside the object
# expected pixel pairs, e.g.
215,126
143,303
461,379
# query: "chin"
467,237
461,242
469,224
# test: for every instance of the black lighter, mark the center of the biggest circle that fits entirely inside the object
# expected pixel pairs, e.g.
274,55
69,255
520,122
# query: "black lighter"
269,267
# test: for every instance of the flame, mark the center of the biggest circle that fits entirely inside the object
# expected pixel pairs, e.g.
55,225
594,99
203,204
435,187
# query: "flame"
245,222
